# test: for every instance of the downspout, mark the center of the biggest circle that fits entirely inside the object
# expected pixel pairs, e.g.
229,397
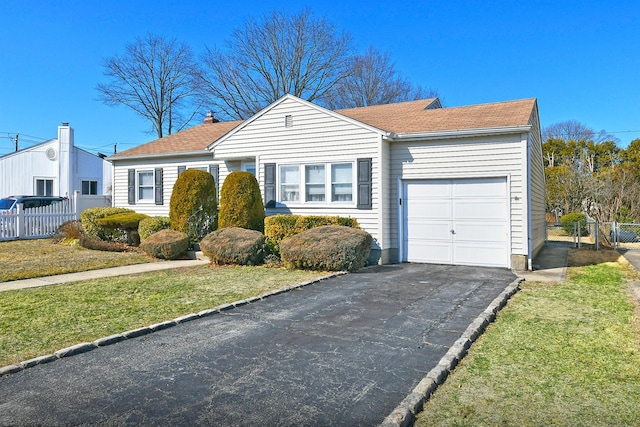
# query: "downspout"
529,207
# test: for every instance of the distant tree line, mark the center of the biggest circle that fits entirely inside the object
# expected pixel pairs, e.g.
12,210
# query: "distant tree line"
163,81
586,171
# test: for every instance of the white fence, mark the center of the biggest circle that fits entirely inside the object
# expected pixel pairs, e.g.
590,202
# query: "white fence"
42,222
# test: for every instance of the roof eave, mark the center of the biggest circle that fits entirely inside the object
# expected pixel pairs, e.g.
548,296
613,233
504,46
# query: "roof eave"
459,133
159,155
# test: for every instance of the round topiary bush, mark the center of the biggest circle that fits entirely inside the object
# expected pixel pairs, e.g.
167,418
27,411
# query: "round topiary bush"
330,247
234,245
193,207
151,225
569,221
166,244
241,203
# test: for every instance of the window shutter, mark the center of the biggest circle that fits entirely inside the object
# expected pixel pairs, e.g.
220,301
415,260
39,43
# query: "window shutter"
181,169
131,186
365,187
214,170
158,186
270,185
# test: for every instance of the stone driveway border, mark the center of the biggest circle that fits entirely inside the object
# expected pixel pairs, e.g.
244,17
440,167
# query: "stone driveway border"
404,415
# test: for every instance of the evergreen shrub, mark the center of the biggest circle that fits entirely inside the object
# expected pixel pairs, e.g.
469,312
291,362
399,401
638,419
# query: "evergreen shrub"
567,221
127,222
234,245
193,208
151,225
241,202
166,244
279,227
329,247
88,218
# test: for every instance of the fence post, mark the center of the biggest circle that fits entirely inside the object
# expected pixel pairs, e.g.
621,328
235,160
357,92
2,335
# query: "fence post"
597,233
579,235
76,196
20,220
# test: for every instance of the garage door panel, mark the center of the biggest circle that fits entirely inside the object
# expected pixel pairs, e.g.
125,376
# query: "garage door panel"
431,251
479,209
435,210
487,255
476,209
479,187
481,233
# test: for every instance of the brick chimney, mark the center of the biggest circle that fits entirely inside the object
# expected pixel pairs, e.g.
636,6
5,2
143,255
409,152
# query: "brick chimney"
210,118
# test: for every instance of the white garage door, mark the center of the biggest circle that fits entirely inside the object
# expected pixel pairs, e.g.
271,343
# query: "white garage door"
460,221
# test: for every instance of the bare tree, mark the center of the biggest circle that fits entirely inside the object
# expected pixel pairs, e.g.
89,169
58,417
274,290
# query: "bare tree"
154,78
374,80
276,55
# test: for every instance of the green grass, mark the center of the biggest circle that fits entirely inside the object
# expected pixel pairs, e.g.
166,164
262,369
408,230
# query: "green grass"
39,321
26,259
562,354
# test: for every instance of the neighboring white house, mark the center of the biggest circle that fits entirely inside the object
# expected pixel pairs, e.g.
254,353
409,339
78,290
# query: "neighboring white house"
461,185
55,168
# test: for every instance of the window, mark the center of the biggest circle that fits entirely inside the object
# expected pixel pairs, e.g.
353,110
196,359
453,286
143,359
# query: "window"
314,183
145,185
249,167
290,183
324,183
342,182
44,187
90,187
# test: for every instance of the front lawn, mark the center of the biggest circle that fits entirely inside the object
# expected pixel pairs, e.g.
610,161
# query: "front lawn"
39,321
26,259
561,354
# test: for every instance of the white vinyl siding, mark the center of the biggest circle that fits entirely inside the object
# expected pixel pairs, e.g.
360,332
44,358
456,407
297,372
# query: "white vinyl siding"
464,158
537,191
169,177
316,137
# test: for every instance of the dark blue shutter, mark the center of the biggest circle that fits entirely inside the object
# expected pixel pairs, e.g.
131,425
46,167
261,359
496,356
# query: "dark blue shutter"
181,169
365,187
158,187
131,186
270,185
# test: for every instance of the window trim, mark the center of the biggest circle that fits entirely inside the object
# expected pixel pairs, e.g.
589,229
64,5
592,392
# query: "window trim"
89,181
152,186
44,179
328,185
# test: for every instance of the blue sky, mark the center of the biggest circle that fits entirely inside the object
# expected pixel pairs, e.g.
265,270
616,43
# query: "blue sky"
579,58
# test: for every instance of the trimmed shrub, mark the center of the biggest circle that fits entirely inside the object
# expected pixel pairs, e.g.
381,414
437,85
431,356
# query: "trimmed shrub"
329,247
166,244
193,207
88,217
151,225
241,203
92,242
567,221
127,221
234,245
279,227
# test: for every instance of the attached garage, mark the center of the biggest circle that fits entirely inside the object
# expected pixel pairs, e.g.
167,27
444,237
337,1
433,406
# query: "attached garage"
456,221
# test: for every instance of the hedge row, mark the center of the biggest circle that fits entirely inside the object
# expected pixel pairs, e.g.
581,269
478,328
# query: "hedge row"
279,227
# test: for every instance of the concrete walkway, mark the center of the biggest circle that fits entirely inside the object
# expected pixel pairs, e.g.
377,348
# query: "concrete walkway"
97,274
549,266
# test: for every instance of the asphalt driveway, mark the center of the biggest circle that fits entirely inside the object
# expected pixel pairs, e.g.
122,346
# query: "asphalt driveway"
344,351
